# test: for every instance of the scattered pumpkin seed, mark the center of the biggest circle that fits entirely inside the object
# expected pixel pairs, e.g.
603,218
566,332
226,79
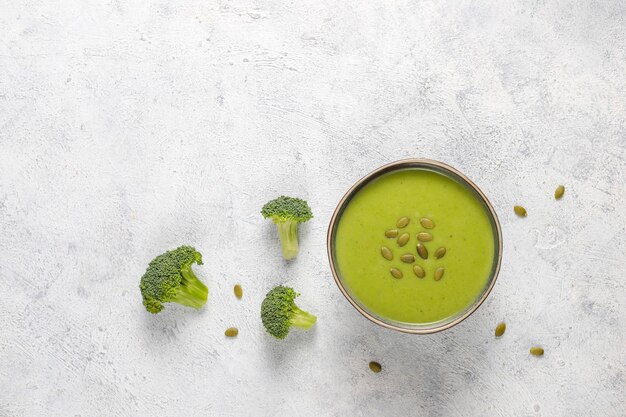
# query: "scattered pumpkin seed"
396,273
424,237
238,291
375,367
419,271
500,328
440,252
427,223
386,252
558,193
403,222
439,273
422,251
231,332
536,351
407,258
391,233
403,239
520,211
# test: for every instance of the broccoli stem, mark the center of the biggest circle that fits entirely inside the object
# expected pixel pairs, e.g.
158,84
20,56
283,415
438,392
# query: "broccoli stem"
302,319
288,234
192,292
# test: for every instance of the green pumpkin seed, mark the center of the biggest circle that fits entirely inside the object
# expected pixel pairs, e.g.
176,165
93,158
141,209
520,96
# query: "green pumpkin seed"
427,223
407,258
520,211
396,273
439,273
500,328
440,252
403,239
375,367
403,222
558,193
424,237
422,251
231,332
536,351
419,271
391,233
386,252
238,291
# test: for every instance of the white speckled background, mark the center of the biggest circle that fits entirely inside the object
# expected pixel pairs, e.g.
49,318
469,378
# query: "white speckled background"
127,128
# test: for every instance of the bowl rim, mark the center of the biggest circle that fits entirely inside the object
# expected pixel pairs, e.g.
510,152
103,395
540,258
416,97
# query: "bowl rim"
393,166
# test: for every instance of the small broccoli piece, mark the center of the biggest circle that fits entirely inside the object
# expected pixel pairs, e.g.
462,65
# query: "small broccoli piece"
279,312
287,213
170,279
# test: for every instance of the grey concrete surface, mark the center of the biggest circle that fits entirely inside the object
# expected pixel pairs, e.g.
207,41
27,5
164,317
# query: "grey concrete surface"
129,127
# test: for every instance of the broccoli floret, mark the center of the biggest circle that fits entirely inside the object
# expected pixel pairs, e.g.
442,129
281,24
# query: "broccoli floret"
170,279
279,312
287,213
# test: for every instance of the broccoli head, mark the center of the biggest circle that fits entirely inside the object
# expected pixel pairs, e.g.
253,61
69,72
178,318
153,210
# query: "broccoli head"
169,279
287,213
279,312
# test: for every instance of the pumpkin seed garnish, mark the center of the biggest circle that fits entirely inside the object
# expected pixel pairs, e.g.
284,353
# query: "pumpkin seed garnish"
419,271
375,367
439,273
386,252
440,252
402,222
424,237
500,328
536,351
520,211
407,258
391,233
403,239
231,332
558,193
396,273
427,223
238,291
422,251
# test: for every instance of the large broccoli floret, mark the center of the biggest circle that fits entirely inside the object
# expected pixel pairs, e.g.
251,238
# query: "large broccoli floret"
279,312
287,213
169,279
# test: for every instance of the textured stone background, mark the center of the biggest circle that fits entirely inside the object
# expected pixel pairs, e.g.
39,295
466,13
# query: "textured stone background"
130,127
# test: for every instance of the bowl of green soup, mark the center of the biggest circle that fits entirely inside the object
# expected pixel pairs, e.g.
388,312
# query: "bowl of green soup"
415,246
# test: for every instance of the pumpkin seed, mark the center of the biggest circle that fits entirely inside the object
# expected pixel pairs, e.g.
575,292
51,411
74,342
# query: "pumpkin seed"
427,223
386,252
391,233
402,222
403,239
558,193
439,273
440,252
238,291
419,271
231,332
424,237
407,258
500,328
422,251
536,351
520,211
396,273
375,367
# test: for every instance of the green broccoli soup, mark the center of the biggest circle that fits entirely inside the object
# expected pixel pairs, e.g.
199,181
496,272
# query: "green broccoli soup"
415,246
